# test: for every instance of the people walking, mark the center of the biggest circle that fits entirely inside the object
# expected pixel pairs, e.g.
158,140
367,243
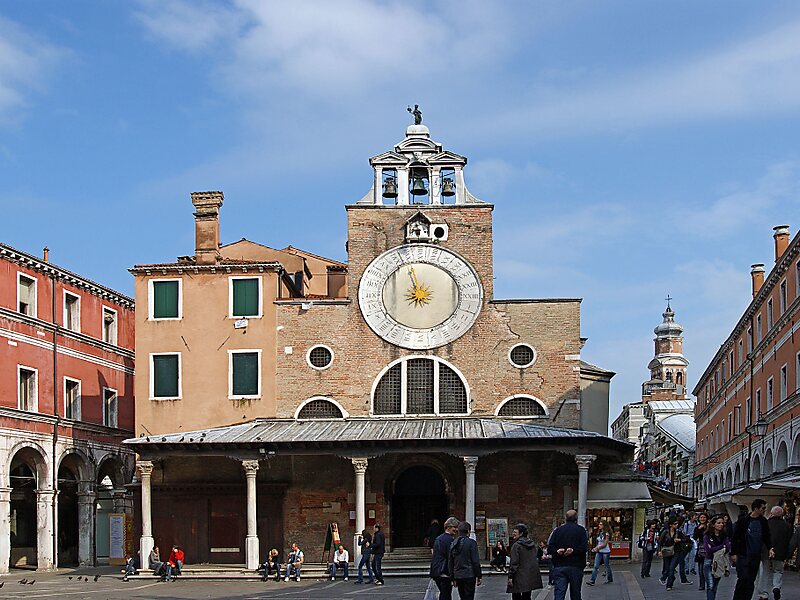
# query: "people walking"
434,531
666,545
771,570
682,545
378,550
648,542
689,527
365,544
699,533
568,546
439,559
751,537
602,554
464,563
523,572
716,549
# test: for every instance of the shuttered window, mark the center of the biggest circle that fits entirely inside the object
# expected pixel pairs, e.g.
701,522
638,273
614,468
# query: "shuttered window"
165,299
245,298
245,374
165,376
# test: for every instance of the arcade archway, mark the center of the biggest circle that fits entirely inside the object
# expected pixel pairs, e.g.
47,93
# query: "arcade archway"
419,496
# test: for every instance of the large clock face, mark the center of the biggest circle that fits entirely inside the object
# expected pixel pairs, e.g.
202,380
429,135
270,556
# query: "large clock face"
420,296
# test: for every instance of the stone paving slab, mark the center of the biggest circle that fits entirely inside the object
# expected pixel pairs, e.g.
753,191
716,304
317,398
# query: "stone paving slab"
627,585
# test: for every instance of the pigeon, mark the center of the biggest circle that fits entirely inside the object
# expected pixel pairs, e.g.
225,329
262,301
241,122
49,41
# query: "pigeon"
23,581
31,582
86,579
70,577
96,577
2,583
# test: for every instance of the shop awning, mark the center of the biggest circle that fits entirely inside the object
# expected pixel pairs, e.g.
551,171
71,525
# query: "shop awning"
668,498
771,490
618,494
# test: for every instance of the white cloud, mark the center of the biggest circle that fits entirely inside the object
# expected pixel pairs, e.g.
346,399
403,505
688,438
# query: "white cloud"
25,61
190,26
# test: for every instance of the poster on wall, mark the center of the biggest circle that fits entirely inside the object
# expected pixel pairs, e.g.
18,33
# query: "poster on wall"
496,529
480,520
116,539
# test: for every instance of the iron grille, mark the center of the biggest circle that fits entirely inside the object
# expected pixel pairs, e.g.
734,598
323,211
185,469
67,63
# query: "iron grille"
521,407
420,386
320,409
320,357
387,392
522,355
452,393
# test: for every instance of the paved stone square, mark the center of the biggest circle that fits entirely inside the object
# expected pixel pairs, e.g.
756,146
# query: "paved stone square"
626,586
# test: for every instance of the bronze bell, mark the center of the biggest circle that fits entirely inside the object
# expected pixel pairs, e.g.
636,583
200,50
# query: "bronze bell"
418,187
448,187
390,188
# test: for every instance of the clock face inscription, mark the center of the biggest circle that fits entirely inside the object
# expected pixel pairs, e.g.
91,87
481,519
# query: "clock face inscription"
419,296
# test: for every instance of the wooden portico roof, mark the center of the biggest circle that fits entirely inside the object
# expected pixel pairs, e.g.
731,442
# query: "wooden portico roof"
289,436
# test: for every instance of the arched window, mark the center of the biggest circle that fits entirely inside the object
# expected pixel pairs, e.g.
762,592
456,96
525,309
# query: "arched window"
420,386
521,406
679,378
320,408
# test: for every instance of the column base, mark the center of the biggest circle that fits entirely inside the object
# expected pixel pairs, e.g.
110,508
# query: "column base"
146,544
251,552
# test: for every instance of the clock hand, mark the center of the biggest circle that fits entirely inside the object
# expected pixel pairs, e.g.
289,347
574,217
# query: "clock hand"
414,277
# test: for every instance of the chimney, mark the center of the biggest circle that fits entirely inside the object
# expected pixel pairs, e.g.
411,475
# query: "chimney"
781,236
46,254
757,273
206,226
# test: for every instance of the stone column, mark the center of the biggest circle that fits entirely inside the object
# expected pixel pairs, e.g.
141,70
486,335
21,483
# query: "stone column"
251,547
45,556
5,529
584,461
470,464
360,466
146,543
87,499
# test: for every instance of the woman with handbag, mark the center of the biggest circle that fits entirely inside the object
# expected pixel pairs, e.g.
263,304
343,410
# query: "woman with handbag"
699,533
648,542
666,545
717,550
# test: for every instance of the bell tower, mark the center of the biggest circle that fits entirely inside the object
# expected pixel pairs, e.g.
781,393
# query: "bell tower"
668,367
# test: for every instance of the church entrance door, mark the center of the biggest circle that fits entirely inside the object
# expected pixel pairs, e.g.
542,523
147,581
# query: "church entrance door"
419,497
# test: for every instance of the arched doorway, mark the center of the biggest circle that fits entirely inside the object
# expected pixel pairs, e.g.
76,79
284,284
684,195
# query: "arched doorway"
25,471
419,496
68,529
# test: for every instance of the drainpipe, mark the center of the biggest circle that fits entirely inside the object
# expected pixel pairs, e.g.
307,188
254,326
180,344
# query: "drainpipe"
57,419
752,401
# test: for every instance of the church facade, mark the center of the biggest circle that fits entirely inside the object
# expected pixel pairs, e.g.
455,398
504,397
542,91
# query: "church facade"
393,389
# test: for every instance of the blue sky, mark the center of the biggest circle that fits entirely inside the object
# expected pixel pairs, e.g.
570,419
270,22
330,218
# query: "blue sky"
631,149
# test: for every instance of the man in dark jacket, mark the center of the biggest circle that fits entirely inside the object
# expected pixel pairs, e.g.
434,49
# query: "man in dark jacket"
441,552
464,564
523,572
751,537
568,546
772,567
378,550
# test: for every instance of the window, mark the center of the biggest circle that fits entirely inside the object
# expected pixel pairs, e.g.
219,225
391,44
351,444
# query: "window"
737,419
521,406
783,297
759,333
245,297
749,339
769,314
72,311
165,376
320,408
27,398
797,280
730,426
109,325
723,372
245,374
740,352
758,403
522,355
72,398
770,394
730,363
716,432
420,385
165,298
319,357
784,383
797,373
110,412
26,295
748,411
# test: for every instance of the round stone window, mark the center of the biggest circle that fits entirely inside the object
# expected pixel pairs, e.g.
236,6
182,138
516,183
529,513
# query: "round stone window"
522,355
320,357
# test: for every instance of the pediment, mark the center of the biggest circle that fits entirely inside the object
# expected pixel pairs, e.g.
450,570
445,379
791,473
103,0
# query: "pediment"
389,158
418,217
417,144
447,158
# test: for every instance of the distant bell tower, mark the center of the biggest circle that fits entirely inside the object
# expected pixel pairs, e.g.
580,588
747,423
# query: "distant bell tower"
668,367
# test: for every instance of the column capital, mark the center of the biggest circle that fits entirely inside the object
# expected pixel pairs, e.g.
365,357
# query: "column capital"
470,463
360,465
250,467
46,495
584,461
145,467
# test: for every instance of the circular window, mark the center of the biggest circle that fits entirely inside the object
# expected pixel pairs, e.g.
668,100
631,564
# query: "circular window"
320,357
522,355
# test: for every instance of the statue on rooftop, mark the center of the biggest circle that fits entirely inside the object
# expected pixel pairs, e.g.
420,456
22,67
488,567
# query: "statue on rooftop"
417,114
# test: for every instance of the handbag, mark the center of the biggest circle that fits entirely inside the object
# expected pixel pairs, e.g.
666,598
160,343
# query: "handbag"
432,592
668,551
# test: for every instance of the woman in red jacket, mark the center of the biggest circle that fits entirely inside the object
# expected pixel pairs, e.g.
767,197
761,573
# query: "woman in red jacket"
175,563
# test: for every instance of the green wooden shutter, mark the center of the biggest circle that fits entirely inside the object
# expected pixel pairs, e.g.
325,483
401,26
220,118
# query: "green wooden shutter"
165,299
245,297
165,376
245,374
